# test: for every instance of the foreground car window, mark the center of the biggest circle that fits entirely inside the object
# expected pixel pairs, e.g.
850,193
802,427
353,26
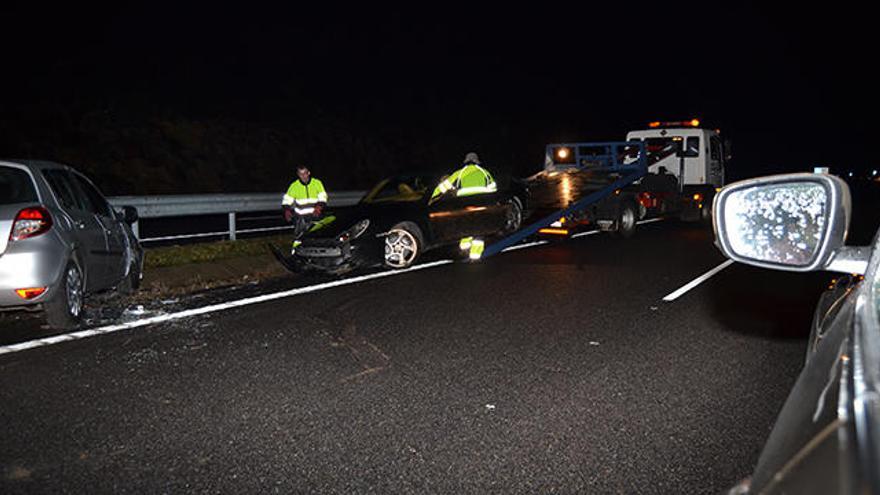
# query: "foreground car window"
16,186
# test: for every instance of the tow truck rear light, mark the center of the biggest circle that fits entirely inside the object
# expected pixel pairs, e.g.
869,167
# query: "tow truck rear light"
30,222
30,293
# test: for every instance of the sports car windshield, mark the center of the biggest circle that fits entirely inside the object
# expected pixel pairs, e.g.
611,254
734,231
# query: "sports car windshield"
399,190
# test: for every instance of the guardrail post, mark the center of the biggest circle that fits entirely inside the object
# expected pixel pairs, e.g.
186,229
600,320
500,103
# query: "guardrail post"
232,226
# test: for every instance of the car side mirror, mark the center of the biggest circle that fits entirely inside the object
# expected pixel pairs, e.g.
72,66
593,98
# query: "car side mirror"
795,222
130,214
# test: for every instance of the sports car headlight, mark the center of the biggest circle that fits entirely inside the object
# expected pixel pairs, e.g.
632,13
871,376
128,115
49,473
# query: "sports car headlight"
356,231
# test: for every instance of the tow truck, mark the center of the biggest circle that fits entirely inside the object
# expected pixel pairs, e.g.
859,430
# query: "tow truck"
667,169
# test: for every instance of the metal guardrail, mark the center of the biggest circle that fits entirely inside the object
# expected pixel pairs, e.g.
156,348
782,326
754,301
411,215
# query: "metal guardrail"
216,204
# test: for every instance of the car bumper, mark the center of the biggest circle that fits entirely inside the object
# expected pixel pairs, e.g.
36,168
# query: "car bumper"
334,257
28,265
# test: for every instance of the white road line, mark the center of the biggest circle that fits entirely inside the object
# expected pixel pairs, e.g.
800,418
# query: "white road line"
8,349
697,281
210,309
524,246
650,220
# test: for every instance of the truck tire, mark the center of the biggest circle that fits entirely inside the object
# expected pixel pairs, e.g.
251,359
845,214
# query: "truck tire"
625,224
706,213
64,310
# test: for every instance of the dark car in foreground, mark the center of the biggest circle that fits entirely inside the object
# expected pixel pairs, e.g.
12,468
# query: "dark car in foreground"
826,438
60,240
398,220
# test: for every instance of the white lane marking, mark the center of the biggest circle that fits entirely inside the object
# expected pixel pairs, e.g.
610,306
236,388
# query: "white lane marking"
210,309
8,349
697,281
583,234
524,246
650,220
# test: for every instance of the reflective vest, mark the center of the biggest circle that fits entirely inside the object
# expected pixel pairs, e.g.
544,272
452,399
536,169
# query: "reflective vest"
467,181
304,197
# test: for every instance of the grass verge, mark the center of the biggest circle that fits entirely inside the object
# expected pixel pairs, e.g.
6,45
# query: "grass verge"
210,251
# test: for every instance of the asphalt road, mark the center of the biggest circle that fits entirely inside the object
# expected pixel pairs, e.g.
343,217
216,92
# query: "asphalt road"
555,369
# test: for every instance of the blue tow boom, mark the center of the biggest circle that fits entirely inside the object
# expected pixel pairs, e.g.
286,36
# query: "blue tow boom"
625,162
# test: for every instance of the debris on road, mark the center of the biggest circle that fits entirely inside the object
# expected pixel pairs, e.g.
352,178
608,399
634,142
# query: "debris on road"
136,311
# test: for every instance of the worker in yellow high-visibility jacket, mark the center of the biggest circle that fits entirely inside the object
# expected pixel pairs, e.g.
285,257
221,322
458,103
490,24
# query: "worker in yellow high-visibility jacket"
304,201
469,180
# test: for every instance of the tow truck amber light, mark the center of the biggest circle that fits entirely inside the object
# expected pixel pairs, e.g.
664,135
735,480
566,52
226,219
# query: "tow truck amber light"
698,197
686,123
30,222
31,293
554,231
558,223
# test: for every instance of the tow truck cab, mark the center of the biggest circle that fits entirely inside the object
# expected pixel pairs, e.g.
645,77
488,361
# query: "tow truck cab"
685,150
694,156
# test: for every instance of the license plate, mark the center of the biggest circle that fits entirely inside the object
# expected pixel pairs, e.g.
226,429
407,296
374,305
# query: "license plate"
319,252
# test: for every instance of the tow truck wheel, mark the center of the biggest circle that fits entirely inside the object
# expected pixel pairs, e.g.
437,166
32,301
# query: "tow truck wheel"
403,245
706,213
626,221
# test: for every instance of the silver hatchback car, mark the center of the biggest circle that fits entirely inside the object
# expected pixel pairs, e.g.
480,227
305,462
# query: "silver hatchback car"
60,240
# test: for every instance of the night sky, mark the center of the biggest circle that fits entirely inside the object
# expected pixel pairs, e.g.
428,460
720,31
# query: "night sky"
792,87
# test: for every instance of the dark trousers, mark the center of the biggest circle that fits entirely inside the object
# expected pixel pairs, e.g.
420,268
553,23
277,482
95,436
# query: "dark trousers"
301,225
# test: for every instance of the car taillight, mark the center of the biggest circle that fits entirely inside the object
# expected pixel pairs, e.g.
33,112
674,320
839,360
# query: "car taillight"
31,293
30,222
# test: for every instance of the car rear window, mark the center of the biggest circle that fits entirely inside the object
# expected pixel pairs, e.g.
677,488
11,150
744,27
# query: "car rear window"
16,186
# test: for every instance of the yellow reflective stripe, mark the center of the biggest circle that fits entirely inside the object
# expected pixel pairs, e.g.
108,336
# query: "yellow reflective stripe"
477,247
304,211
322,197
465,243
287,200
465,191
307,201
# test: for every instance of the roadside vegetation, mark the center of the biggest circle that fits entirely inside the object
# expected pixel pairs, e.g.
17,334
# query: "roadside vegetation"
211,251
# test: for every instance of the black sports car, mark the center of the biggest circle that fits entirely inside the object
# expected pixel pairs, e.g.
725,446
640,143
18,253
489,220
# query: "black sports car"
398,220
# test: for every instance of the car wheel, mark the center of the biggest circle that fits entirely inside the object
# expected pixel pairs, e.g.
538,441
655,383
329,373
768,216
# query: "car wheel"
626,221
403,245
64,310
131,283
513,219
